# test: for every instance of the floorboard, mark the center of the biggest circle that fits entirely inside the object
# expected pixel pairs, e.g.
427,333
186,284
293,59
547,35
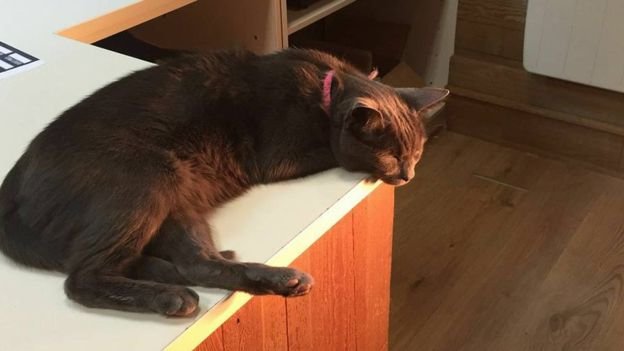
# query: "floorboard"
499,249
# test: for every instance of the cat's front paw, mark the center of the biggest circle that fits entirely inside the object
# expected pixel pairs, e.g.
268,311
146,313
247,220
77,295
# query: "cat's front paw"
300,284
287,282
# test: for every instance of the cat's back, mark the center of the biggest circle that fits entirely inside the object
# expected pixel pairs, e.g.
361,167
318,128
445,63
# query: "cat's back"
122,144
112,148
155,99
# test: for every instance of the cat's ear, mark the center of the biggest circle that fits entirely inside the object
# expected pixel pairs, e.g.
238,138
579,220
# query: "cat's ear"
364,121
373,74
423,100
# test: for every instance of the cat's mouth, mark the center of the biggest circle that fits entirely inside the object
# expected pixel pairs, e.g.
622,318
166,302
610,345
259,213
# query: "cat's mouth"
388,180
395,181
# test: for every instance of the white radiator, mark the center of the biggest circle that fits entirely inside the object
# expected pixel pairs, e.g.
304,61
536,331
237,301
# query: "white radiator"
576,40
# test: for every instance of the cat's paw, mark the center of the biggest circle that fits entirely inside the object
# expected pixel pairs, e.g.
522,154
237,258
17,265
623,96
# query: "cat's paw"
299,285
287,282
228,255
176,302
371,179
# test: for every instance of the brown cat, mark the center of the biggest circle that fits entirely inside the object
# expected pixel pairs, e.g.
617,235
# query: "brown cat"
115,191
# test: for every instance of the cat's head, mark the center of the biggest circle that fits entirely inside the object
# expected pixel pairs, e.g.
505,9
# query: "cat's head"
380,129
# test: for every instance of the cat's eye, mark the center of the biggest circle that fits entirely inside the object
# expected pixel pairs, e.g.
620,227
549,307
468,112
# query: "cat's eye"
396,154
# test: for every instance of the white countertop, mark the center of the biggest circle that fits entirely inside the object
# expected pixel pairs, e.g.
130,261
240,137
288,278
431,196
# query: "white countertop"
35,314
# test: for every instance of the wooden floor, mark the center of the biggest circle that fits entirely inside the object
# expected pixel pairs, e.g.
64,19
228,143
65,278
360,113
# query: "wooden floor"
496,249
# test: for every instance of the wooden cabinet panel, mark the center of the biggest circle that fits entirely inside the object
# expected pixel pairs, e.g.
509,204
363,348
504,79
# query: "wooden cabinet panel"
274,336
243,331
348,307
373,254
326,316
213,343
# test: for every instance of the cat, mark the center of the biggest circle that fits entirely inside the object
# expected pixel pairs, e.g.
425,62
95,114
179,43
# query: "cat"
115,191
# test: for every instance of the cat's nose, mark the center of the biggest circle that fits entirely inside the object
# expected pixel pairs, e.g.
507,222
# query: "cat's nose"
407,172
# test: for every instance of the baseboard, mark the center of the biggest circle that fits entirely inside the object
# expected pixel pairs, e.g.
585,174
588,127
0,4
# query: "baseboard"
598,149
505,83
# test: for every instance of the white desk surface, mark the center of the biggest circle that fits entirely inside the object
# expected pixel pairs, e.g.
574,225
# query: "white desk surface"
272,224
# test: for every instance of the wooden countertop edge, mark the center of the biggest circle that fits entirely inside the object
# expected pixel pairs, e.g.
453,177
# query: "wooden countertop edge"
121,19
216,316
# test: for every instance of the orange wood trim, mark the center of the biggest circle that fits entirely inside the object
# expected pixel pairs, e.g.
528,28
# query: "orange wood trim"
122,19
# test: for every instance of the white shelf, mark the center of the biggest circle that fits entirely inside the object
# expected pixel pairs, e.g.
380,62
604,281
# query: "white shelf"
302,18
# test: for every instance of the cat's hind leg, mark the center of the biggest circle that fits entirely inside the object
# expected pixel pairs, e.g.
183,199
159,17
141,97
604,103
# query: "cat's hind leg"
104,290
189,248
107,265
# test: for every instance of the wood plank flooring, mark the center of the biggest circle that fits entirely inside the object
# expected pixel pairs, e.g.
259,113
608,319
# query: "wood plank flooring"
498,249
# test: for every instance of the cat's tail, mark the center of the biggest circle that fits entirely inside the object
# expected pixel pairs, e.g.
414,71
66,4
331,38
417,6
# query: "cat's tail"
17,240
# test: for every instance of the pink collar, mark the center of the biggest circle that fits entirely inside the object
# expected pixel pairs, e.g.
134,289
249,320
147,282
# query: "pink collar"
327,84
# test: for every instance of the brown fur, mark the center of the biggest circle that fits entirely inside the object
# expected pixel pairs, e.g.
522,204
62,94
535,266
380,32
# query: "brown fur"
116,190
